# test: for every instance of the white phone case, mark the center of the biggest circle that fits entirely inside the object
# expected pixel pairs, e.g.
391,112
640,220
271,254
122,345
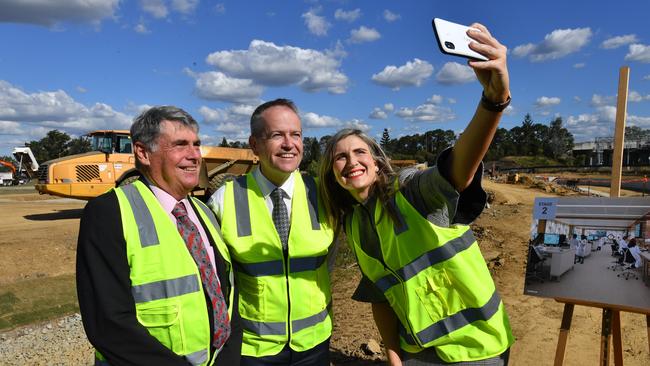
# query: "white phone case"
453,39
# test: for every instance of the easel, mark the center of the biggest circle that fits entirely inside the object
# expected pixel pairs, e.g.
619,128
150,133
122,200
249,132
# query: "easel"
611,324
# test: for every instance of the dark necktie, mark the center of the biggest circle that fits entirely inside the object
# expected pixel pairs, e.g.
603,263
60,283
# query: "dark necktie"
280,216
192,237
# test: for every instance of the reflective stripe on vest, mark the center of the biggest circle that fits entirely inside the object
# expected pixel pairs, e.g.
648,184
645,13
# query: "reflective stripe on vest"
283,292
243,212
427,260
165,289
443,283
165,280
276,267
453,322
279,328
143,218
197,358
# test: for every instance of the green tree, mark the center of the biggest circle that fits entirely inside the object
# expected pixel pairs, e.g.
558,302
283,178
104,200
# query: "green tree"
559,141
78,145
385,140
311,155
224,143
54,145
636,133
438,140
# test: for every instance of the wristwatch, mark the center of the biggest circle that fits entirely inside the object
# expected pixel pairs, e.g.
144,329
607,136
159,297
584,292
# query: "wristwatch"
492,106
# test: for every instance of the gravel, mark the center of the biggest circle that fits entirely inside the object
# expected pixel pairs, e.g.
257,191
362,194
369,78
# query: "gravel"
58,342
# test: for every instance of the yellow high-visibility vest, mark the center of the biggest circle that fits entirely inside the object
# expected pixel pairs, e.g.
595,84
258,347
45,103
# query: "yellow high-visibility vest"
434,278
166,284
284,297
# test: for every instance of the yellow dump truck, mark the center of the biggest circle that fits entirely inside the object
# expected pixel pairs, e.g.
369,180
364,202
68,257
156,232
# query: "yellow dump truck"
111,163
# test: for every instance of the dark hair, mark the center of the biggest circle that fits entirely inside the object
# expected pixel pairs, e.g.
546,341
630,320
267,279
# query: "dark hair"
632,243
146,127
338,201
257,120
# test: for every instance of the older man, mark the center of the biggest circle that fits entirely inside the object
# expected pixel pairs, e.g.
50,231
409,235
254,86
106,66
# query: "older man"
274,227
153,274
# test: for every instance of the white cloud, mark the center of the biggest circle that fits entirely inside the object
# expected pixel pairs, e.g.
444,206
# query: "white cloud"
141,28
219,8
547,101
364,34
579,65
616,42
634,96
390,16
413,73
643,122
429,111
510,110
638,52
232,122
10,128
214,85
49,13
313,120
647,77
601,123
156,8
601,100
239,113
81,89
455,73
271,65
358,124
435,99
389,107
185,6
348,16
33,114
378,113
557,44
316,24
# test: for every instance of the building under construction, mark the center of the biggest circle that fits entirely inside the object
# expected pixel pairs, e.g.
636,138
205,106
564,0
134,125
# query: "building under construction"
600,151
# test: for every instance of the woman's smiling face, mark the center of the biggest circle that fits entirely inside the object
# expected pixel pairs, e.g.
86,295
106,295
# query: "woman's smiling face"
354,167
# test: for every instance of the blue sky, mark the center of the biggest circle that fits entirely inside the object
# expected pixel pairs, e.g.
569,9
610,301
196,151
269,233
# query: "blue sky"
80,65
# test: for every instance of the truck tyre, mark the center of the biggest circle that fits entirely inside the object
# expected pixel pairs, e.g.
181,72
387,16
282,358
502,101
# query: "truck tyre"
217,181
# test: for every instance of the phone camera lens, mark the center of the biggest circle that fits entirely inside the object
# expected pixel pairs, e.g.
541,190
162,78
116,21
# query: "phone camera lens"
450,45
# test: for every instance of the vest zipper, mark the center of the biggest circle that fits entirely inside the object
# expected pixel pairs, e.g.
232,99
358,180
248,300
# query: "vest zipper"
285,252
399,279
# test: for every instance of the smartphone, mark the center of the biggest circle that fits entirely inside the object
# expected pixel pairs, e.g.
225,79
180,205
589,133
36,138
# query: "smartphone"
453,39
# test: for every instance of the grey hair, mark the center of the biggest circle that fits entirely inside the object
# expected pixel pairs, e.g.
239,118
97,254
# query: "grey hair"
257,121
146,127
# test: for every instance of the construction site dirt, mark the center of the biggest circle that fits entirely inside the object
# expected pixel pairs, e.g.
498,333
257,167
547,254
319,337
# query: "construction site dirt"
37,271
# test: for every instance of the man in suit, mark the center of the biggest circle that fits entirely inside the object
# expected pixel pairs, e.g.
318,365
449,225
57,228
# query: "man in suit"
153,274
279,239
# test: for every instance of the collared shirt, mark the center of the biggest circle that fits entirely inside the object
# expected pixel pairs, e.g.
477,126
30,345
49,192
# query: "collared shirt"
168,202
266,187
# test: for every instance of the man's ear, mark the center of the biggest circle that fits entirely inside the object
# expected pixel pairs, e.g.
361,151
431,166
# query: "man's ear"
252,142
141,153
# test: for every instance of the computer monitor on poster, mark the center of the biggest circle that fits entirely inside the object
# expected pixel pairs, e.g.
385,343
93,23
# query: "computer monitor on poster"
551,239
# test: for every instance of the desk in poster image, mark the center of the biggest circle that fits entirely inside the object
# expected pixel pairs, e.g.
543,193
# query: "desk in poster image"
561,261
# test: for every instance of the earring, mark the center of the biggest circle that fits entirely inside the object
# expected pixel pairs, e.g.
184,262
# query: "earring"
376,169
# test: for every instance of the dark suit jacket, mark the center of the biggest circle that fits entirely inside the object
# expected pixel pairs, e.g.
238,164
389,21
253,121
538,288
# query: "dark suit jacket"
105,300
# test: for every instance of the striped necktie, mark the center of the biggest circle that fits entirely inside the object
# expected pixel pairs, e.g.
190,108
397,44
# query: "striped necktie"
211,285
